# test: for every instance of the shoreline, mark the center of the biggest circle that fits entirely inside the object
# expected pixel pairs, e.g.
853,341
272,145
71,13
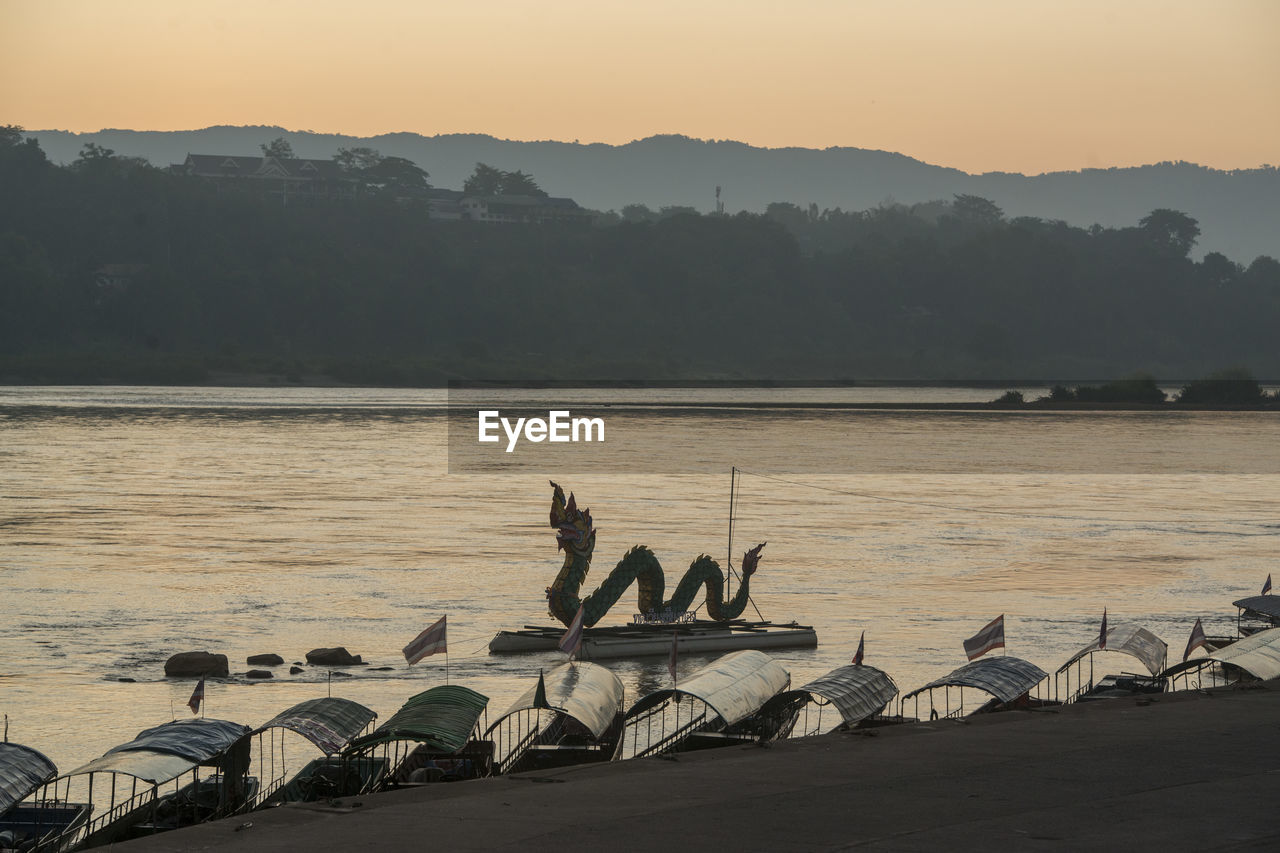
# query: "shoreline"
1177,771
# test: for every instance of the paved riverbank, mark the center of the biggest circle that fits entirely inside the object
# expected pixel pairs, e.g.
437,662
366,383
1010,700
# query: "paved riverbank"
1193,771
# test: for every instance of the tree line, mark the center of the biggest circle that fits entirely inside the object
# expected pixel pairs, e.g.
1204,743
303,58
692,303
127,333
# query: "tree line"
370,290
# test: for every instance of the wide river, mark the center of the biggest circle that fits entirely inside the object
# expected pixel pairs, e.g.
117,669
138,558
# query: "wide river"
139,522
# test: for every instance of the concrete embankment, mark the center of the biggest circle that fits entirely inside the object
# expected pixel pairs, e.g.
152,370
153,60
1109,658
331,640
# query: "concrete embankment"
1189,771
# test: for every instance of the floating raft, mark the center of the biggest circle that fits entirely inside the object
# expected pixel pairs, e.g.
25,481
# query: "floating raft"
628,641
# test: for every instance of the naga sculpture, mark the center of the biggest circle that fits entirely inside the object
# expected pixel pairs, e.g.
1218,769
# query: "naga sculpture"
577,538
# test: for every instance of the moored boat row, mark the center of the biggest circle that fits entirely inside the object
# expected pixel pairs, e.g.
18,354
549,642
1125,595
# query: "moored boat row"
188,771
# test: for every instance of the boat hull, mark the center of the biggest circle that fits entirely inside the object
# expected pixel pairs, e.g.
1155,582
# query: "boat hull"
653,640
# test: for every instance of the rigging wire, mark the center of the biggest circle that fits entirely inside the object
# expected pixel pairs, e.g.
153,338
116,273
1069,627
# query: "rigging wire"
1004,512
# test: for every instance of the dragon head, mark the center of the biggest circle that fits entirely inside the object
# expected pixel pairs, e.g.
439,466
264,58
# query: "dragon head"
751,560
574,532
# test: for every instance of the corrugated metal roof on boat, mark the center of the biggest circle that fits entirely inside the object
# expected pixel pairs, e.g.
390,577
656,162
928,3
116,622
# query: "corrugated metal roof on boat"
442,717
1257,654
1005,677
145,764
1130,640
167,751
735,686
329,722
1267,605
22,770
856,691
588,692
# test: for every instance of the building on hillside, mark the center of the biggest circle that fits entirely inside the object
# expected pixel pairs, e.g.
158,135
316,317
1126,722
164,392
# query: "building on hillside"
291,179
523,208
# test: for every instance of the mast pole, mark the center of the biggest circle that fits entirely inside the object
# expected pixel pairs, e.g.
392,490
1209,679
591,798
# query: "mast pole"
728,575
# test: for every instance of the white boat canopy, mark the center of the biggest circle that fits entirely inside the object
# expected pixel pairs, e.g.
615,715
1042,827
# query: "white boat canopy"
22,770
1257,654
166,752
735,686
856,691
1004,677
588,692
329,722
1131,640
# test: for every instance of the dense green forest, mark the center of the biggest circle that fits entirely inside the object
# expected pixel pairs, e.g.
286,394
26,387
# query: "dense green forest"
371,290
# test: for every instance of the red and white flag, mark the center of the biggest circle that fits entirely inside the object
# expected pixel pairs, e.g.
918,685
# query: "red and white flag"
671,659
990,637
1266,587
857,656
432,641
197,696
1102,635
1196,640
571,642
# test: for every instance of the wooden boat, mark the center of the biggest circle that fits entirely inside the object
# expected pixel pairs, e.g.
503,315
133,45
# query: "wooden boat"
435,736
1127,639
717,706
176,753
572,715
641,639
31,815
330,724
858,693
1006,680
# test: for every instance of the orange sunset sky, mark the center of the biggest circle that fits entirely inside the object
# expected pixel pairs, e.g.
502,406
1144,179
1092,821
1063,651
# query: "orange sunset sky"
1011,85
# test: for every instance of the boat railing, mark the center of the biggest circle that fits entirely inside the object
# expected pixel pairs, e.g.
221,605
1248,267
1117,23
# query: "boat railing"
517,752
116,812
663,744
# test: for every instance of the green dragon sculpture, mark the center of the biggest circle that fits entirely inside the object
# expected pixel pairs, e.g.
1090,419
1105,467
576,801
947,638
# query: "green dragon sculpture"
577,538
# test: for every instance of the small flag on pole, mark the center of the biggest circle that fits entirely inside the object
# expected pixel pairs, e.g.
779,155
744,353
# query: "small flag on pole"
671,659
1266,587
857,656
197,696
1196,640
571,642
431,641
1102,635
990,637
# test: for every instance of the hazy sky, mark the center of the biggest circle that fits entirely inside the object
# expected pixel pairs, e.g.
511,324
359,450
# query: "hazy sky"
1013,85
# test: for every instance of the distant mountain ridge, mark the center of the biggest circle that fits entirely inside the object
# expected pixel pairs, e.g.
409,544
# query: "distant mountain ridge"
1238,210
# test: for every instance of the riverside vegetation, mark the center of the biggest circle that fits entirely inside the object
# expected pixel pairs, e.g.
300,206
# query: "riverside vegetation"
371,291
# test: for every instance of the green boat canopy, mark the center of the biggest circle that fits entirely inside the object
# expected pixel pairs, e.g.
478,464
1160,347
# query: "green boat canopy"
329,722
442,717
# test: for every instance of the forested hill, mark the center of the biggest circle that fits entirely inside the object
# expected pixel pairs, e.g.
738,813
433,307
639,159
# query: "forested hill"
112,270
1238,211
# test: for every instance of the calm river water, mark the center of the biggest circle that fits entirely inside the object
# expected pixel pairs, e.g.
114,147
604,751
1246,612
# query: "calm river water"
138,522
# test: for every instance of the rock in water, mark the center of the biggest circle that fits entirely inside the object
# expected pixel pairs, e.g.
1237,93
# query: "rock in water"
264,660
195,665
294,670
258,673
332,657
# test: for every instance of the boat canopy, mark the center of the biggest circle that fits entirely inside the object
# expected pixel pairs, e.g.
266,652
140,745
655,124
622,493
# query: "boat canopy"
1266,605
735,686
1130,640
1257,654
442,717
329,722
588,692
1005,677
167,751
22,770
856,691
